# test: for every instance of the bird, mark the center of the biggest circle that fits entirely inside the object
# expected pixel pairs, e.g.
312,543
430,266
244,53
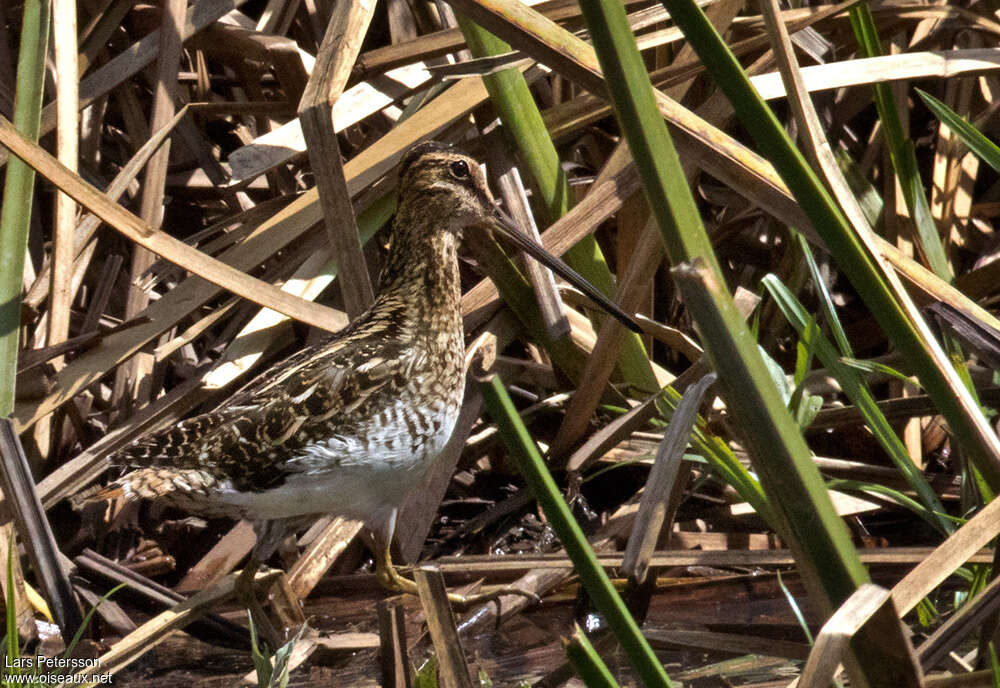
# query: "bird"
350,425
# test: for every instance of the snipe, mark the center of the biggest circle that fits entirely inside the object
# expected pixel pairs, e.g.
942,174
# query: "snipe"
348,426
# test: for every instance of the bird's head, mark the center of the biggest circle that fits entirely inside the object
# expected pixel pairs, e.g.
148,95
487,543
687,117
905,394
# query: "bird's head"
440,179
443,180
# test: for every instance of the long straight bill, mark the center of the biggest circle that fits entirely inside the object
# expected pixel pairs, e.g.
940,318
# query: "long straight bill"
506,227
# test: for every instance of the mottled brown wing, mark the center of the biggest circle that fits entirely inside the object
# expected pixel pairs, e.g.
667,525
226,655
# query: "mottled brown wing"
250,437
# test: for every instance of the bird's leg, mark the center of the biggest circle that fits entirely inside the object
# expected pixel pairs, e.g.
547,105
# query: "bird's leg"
245,590
387,575
389,578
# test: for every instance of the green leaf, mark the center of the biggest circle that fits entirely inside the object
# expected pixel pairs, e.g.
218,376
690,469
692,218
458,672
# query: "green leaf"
796,610
804,352
876,367
927,614
777,375
803,405
606,599
901,150
19,189
587,662
857,391
427,675
934,518
279,678
718,455
967,424
13,651
807,409
987,151
261,662
825,300
88,617
868,196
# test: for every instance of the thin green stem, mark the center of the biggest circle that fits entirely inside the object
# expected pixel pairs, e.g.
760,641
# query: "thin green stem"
522,448
522,120
587,661
15,213
959,409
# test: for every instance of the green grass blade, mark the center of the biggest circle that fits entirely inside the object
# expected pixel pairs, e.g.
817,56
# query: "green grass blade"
868,197
522,448
959,409
780,454
932,517
809,522
722,460
826,300
261,661
15,213
977,142
904,159
875,367
587,662
13,650
796,609
859,394
901,151
282,668
522,120
427,675
86,619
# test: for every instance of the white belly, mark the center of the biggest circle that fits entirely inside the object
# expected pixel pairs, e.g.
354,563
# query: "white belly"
357,477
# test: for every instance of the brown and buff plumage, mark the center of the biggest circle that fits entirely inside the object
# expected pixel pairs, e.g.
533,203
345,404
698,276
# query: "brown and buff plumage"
350,425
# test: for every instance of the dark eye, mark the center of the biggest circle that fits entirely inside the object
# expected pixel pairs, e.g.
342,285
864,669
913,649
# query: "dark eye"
460,169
